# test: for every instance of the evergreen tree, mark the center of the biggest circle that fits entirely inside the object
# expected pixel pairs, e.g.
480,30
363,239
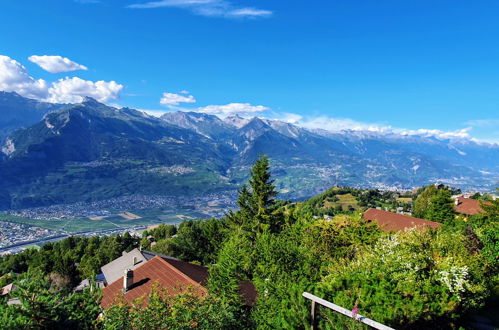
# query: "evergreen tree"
258,208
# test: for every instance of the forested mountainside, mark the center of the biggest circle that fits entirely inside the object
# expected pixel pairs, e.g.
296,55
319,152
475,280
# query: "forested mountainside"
90,151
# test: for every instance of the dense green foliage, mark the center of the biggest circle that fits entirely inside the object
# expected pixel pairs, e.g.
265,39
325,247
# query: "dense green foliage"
427,279
46,302
184,311
195,240
412,279
331,202
435,204
74,257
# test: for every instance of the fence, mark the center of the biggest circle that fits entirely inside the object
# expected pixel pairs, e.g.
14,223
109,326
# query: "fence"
319,301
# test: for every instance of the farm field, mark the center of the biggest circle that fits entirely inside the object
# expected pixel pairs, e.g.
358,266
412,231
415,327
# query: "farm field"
345,201
133,218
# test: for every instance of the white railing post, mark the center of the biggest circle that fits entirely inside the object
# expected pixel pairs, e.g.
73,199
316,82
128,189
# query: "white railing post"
319,301
313,316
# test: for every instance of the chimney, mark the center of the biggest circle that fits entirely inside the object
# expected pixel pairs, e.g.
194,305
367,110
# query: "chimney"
127,280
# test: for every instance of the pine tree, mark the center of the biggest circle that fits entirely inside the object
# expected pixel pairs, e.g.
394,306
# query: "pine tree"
256,201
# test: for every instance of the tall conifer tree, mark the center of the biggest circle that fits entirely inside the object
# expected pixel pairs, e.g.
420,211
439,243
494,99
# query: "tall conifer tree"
256,200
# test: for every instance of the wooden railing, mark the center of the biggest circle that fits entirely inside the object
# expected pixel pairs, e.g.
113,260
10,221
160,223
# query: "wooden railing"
359,318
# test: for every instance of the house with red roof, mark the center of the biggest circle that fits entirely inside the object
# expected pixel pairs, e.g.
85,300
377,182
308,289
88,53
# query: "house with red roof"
168,274
389,221
468,206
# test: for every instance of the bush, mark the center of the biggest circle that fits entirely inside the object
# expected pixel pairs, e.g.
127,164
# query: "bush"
191,309
409,279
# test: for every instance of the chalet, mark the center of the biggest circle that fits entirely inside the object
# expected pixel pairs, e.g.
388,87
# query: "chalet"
128,260
171,275
468,206
389,221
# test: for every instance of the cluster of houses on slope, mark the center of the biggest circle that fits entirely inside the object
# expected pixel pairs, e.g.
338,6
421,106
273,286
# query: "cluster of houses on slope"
135,273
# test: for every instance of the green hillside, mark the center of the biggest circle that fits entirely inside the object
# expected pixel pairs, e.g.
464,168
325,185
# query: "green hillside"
444,278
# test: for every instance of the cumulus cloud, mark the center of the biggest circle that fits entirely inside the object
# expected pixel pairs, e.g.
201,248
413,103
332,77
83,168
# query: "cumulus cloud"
15,78
233,108
209,8
170,99
56,64
72,90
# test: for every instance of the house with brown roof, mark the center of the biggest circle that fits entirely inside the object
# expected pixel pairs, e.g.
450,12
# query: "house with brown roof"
167,274
468,206
128,260
389,221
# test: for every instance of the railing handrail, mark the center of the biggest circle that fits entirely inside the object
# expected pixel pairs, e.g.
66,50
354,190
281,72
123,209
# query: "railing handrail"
345,311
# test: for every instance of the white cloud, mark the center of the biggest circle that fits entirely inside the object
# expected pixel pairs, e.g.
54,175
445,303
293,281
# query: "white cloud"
56,64
460,133
340,124
332,124
171,100
232,108
291,118
249,12
15,78
210,8
72,90
175,99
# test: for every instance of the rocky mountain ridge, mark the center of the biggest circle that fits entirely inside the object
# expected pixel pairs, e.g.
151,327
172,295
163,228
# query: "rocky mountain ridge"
91,151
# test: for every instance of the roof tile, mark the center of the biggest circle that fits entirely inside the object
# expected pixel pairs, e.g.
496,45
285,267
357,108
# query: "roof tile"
389,221
468,206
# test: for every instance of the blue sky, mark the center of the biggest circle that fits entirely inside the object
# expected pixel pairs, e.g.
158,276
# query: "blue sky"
349,64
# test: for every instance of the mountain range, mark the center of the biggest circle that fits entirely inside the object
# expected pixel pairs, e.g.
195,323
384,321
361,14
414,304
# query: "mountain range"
64,153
